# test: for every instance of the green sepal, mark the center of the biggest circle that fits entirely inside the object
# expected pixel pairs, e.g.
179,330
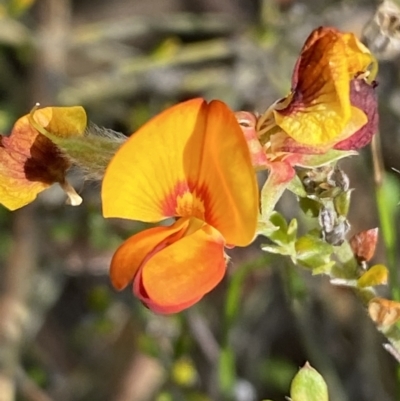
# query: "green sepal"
310,207
284,233
308,385
342,203
297,187
312,161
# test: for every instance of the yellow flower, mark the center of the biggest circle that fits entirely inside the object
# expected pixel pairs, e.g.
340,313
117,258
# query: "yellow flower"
332,97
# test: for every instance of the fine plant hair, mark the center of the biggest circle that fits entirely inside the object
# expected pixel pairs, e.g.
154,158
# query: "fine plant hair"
100,145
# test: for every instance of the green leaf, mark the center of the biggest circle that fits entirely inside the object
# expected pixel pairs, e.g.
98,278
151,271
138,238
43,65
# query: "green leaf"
292,231
323,269
313,252
285,250
310,207
227,374
308,385
279,236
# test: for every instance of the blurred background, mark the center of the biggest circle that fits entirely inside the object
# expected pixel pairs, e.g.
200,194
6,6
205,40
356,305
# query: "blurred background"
65,333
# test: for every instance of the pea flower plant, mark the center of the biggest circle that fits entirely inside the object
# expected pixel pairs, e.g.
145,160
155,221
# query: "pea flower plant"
194,165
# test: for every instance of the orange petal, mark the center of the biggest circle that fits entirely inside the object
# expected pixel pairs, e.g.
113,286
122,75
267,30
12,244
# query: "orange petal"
179,275
319,108
192,161
30,162
133,252
232,195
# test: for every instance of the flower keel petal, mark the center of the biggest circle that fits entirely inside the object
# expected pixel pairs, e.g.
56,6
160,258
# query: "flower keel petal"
135,250
181,274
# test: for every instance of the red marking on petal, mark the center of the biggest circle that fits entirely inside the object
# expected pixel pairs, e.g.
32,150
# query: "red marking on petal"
188,199
364,97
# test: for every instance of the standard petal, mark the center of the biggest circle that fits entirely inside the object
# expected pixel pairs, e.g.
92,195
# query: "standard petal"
319,111
182,273
135,250
320,107
143,178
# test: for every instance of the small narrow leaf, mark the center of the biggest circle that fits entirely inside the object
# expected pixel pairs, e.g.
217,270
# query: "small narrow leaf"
279,236
342,203
292,231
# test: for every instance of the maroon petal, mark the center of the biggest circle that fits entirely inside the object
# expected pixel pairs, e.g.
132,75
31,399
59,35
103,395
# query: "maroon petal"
362,96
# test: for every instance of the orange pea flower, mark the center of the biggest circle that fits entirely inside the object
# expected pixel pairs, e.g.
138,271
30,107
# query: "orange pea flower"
332,104
324,107
30,162
190,162
330,112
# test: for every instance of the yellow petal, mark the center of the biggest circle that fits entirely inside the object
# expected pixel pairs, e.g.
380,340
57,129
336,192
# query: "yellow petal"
61,122
359,57
192,161
319,110
150,165
29,163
